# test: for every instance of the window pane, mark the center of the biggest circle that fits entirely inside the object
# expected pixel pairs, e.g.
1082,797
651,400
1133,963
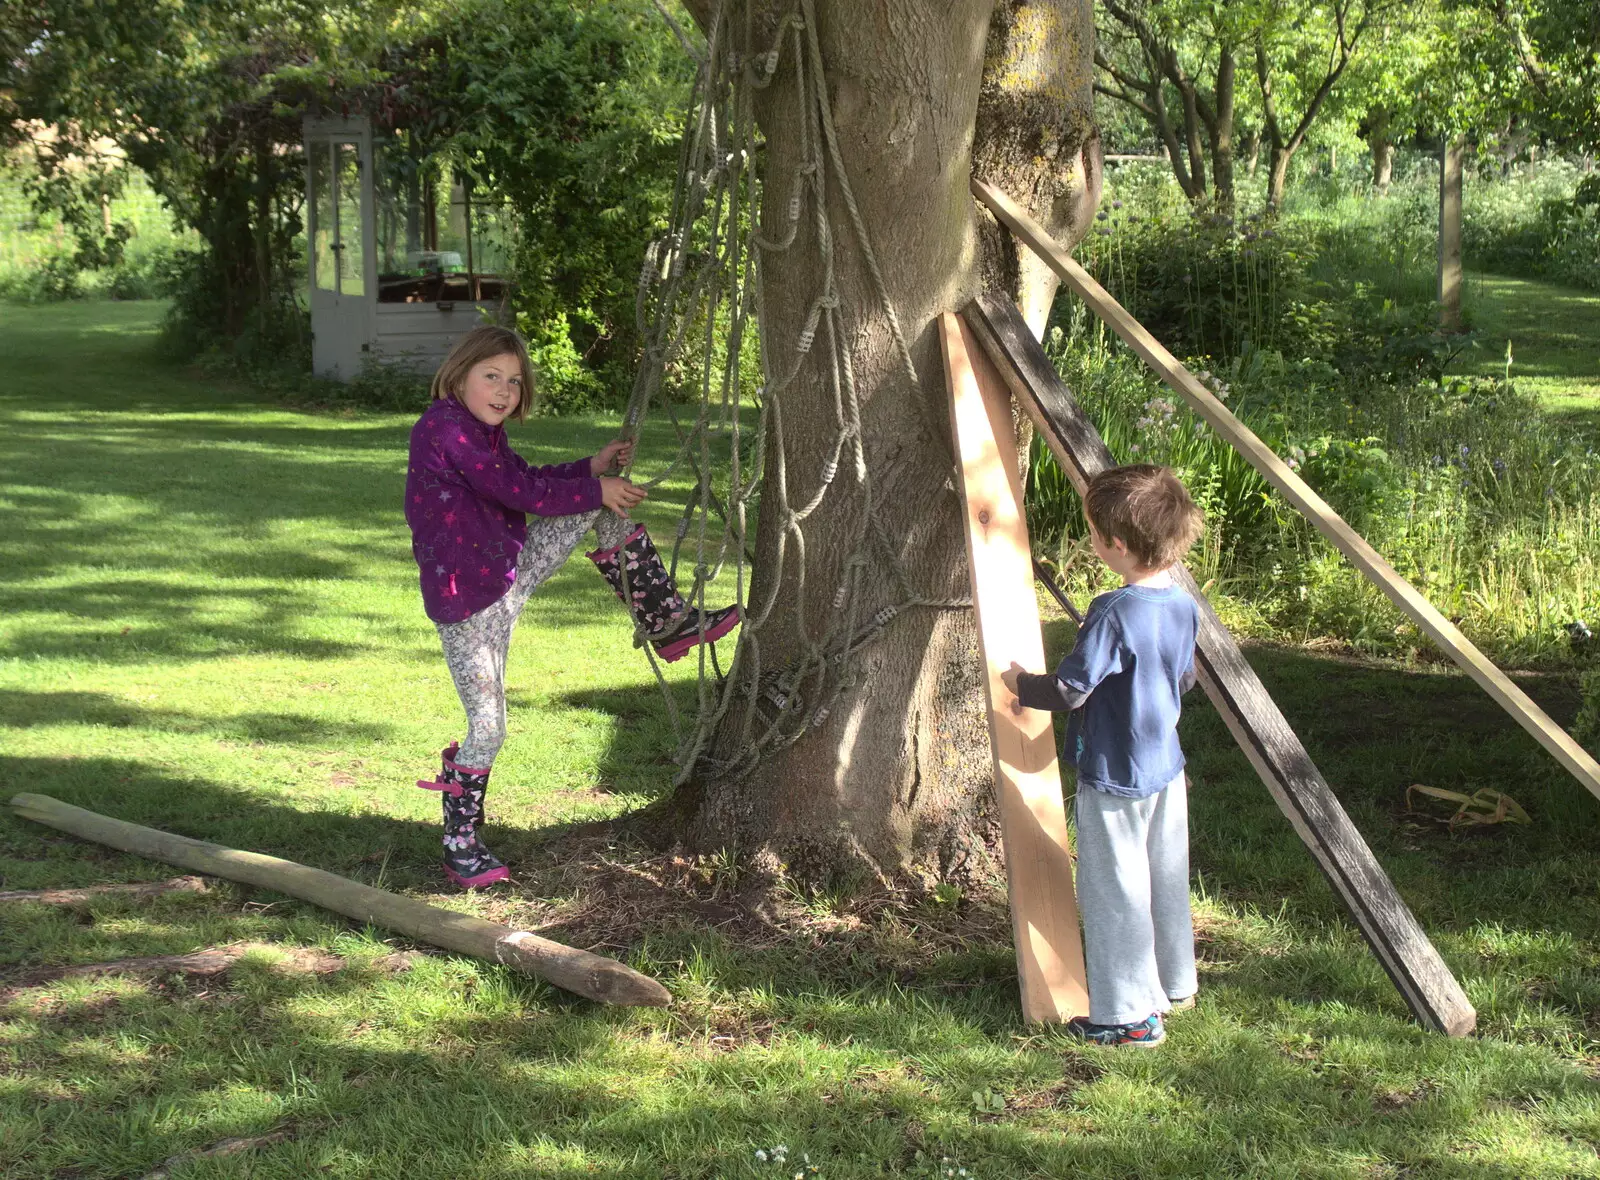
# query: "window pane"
324,259
352,268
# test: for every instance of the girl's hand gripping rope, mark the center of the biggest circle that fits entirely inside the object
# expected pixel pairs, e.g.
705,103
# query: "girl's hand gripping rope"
619,494
616,455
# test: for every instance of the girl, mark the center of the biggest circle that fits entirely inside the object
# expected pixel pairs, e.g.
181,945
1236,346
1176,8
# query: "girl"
467,499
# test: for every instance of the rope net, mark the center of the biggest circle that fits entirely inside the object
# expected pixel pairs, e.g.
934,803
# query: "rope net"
699,305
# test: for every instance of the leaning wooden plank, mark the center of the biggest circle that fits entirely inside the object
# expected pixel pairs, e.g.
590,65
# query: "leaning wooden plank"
590,975
1424,981
1044,912
1362,555
90,893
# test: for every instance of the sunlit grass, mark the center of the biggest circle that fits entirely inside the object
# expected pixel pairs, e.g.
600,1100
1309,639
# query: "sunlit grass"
210,626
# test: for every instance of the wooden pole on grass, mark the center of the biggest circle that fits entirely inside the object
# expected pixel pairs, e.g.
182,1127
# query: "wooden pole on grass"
593,976
1313,507
1262,731
1033,823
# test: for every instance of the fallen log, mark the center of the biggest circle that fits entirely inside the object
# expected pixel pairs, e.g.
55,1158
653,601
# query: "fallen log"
88,894
593,976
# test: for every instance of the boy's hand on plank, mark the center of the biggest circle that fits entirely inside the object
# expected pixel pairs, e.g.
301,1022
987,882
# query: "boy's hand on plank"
620,494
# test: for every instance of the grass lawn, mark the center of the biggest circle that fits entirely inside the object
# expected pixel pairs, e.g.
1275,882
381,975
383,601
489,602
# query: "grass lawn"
1554,334
210,624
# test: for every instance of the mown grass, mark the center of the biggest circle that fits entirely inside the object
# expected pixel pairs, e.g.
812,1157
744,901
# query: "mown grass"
1554,334
210,626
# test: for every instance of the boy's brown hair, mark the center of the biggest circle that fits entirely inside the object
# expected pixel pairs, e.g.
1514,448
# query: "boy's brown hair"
477,346
1148,508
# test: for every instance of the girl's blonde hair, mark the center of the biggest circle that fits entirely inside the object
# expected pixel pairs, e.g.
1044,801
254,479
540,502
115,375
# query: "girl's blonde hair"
477,346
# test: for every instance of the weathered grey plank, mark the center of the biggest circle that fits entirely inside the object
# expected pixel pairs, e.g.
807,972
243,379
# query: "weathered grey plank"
1424,981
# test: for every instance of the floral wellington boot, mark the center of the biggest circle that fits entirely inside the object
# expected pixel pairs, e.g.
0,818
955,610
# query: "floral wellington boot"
670,624
466,861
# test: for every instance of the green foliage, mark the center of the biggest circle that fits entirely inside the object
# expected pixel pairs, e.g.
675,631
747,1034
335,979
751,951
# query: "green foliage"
205,101
572,114
1587,727
1465,484
1542,221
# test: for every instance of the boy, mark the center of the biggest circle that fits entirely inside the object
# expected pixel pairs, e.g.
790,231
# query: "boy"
1133,660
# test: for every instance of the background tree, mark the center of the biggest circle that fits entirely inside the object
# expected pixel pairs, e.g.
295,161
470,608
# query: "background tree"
1300,52
1176,64
206,101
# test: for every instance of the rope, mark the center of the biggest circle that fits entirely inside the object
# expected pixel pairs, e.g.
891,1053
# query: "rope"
702,280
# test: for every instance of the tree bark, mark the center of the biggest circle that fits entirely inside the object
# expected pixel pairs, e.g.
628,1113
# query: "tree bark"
1043,150
1450,235
1219,123
896,781
1278,159
1375,129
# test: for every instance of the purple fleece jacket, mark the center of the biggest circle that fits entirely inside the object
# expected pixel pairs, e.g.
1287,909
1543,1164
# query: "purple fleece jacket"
467,496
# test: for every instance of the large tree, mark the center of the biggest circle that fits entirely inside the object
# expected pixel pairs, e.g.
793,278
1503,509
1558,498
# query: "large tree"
921,96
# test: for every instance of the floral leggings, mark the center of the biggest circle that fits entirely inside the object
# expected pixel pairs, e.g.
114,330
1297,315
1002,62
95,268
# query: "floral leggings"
476,647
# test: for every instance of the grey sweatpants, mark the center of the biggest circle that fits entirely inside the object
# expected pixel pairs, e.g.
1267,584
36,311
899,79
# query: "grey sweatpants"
476,647
1133,893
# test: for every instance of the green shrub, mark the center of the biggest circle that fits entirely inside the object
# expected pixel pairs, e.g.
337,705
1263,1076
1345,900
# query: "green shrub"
1587,727
1542,221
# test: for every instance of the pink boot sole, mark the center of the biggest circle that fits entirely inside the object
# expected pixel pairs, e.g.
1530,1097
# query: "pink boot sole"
488,877
675,649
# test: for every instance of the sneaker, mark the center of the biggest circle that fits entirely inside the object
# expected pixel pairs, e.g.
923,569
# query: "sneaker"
1183,1004
1142,1034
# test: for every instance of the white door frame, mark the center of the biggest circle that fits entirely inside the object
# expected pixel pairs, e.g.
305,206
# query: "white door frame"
342,325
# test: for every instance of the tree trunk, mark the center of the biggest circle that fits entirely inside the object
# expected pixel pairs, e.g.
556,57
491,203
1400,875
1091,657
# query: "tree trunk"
1375,129
1450,235
1222,133
1277,175
1042,150
896,780
1252,152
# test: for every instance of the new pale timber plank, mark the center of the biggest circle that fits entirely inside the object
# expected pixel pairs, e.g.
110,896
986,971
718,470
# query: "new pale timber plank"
1263,733
1033,823
1363,556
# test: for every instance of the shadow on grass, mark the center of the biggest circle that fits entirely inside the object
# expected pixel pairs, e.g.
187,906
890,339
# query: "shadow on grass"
22,709
831,1049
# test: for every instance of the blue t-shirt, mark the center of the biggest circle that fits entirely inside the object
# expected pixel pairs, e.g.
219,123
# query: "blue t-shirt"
1134,657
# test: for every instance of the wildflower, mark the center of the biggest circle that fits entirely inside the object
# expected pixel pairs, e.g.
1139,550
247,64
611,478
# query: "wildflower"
1102,215
1134,449
1465,450
761,1156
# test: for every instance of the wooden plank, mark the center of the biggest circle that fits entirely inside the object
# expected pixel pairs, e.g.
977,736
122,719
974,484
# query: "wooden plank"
1261,730
1363,556
591,975
1033,823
